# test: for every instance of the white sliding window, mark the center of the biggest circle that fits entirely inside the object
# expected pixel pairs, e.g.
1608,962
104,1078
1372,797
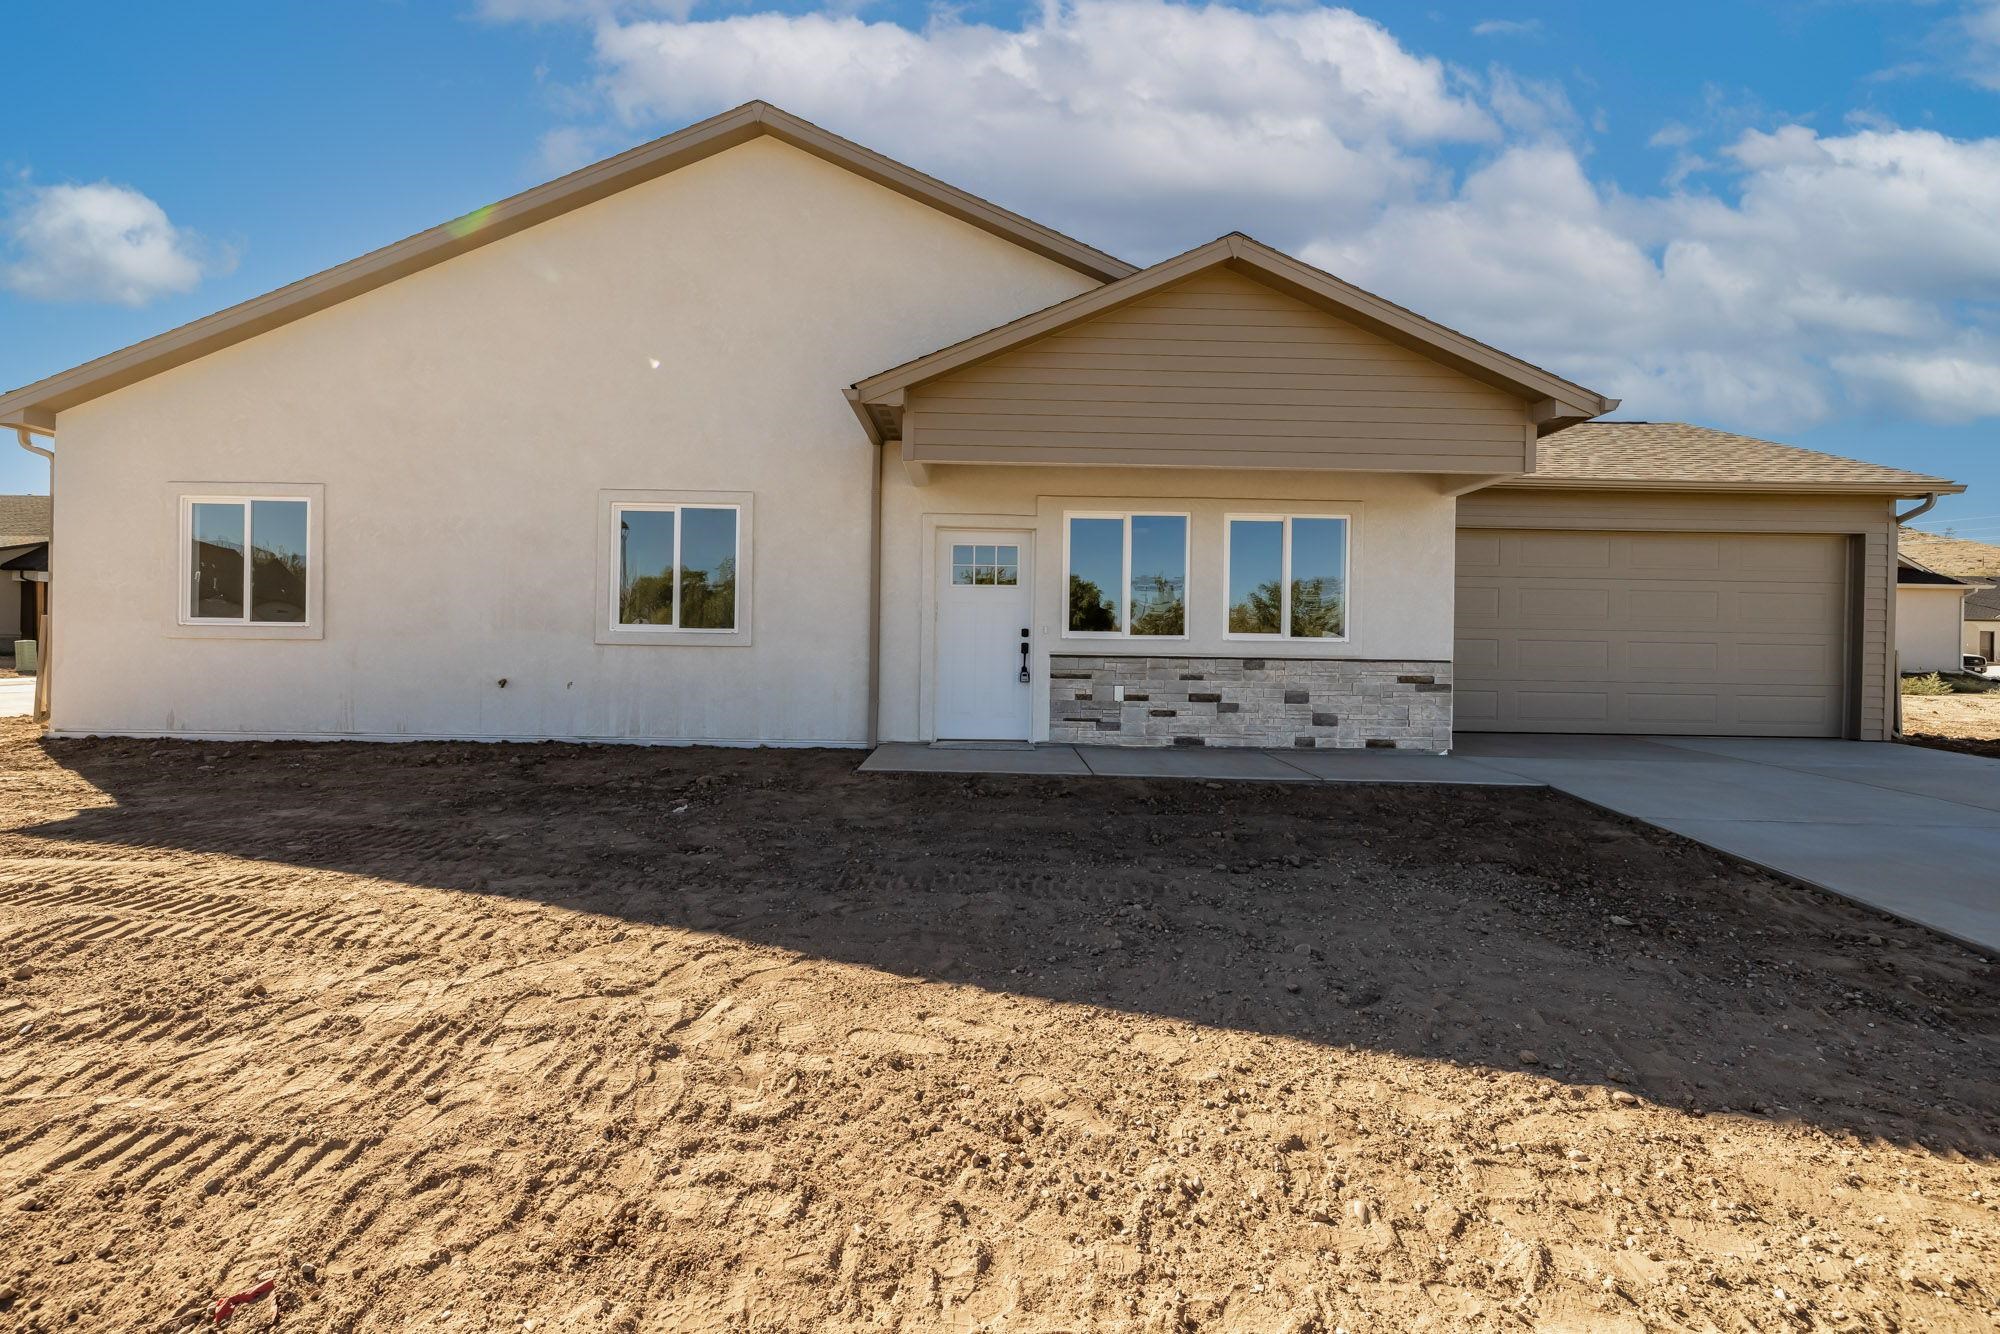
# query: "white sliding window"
247,561
1125,575
1286,576
676,566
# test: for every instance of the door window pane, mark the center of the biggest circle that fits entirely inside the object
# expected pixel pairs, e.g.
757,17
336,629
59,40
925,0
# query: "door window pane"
708,569
216,531
278,561
1319,578
1008,569
963,566
1159,574
1096,575
645,567
1256,576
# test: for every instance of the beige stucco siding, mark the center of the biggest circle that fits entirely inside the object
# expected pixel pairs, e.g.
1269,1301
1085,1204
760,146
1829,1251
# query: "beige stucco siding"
1218,370
1868,520
692,334
1399,581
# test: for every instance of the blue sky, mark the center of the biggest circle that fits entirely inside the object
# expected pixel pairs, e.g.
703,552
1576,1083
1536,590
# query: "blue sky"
1782,218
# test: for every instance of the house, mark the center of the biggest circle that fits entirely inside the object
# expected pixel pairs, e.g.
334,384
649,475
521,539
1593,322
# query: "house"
1930,617
753,435
24,547
1976,563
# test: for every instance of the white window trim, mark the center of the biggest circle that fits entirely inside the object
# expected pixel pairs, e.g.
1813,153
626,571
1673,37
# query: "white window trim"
613,503
1284,635
1125,574
182,497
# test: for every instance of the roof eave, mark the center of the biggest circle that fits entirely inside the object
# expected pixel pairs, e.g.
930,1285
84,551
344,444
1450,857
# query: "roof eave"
1889,490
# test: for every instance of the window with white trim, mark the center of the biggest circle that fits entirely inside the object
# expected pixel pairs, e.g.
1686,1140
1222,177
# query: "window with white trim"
676,567
1285,576
246,560
1125,575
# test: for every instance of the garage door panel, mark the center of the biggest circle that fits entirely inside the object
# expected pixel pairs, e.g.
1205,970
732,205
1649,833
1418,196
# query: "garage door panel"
1652,632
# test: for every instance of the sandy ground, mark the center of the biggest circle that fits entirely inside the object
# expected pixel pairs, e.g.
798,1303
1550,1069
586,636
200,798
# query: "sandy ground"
1969,723
508,1038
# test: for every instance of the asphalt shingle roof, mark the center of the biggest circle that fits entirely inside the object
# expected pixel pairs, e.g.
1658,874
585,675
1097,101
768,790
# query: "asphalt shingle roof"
1666,452
23,519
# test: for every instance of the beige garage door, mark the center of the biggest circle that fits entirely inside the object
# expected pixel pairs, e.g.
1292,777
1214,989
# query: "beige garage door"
1692,633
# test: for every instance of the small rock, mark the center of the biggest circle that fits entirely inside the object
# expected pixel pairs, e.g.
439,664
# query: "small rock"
433,1095
23,973
1623,1099
1527,1057
1616,920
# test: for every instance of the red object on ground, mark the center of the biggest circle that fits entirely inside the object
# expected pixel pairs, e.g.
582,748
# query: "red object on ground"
227,1306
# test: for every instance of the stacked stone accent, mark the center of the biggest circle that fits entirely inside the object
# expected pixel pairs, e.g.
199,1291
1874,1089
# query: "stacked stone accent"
1304,703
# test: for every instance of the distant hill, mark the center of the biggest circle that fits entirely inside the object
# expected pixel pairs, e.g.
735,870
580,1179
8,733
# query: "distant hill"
1951,555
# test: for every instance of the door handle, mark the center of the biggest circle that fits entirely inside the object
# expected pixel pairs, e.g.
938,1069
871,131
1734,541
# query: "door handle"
1024,657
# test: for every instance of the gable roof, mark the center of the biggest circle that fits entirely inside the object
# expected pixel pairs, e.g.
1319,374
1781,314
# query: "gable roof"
1910,573
35,405
878,399
1983,605
23,520
1679,456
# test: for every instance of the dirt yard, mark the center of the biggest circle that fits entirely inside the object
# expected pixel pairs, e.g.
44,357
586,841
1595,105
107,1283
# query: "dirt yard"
554,1038
1969,723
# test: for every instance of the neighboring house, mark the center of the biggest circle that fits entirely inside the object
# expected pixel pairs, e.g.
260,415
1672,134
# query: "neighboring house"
753,435
24,550
1930,618
1977,563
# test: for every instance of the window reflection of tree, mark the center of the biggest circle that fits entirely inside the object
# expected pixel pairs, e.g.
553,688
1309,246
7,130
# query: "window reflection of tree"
1090,610
1157,605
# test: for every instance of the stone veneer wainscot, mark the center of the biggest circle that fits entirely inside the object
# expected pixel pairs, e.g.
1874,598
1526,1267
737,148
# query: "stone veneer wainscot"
1307,703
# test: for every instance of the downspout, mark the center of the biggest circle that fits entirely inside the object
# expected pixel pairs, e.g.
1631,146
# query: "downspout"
45,660
1930,499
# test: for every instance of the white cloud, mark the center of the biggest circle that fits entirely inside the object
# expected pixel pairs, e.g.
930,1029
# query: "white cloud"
1942,387
1093,116
1506,28
1814,273
99,242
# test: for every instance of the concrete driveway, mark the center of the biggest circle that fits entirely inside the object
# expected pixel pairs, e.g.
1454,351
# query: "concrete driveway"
1910,831
17,696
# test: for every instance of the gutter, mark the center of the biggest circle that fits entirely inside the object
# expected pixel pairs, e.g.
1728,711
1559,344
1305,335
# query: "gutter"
44,658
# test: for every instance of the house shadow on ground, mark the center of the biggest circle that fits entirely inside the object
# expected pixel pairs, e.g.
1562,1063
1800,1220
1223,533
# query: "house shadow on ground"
1496,928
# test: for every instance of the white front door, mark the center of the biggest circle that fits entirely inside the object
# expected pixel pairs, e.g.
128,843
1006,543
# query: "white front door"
985,597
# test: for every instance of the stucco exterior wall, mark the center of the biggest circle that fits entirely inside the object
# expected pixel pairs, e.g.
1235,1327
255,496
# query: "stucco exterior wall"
1930,630
692,333
1400,570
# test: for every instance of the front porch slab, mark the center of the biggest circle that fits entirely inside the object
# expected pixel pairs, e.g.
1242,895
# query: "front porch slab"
1218,764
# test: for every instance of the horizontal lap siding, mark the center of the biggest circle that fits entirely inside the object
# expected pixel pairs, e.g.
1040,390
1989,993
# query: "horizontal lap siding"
1218,370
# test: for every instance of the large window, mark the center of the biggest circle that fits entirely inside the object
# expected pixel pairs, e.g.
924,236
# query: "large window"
676,566
1126,574
1287,576
673,567
246,560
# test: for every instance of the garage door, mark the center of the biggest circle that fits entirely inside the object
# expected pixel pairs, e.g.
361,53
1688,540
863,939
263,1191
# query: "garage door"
1692,633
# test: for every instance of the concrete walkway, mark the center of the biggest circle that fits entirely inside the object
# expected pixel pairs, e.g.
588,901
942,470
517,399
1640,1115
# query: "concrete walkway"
1911,831
1230,764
